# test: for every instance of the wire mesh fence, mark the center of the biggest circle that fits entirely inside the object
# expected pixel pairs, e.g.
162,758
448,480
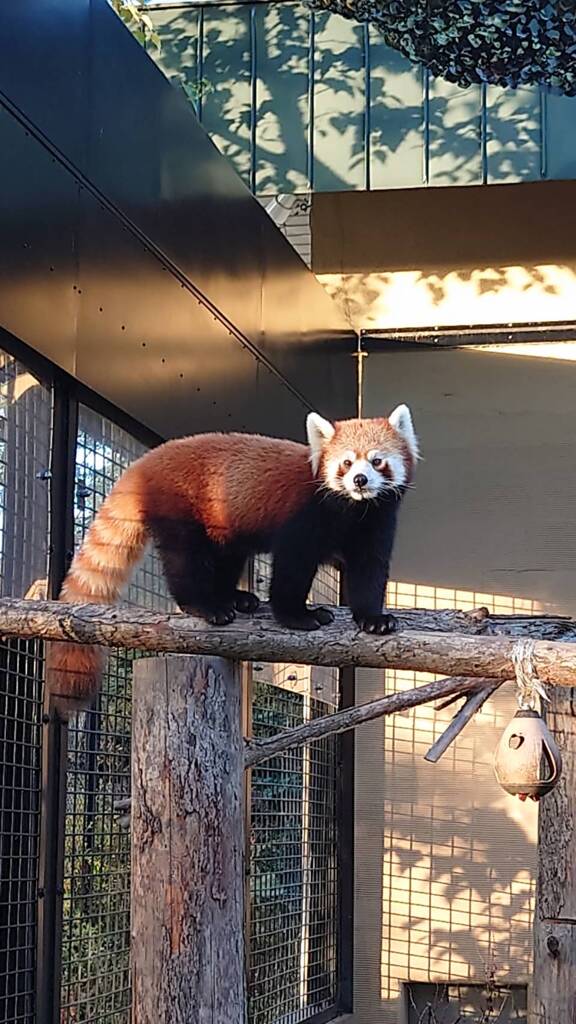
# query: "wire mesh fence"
96,925
293,868
465,1003
293,912
294,883
25,450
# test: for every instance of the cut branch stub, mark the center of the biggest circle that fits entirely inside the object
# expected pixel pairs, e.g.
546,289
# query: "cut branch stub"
260,750
473,703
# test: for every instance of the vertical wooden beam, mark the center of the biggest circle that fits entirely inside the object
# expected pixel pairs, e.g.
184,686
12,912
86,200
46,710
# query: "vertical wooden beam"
187,843
554,988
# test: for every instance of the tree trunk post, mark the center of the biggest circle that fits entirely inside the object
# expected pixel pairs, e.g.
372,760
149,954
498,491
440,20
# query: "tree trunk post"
554,988
187,842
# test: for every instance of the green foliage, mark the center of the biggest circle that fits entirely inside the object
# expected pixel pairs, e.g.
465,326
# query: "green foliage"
138,22
499,42
196,90
96,898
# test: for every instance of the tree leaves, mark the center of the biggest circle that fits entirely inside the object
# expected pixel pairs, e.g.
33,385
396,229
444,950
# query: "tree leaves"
137,21
498,42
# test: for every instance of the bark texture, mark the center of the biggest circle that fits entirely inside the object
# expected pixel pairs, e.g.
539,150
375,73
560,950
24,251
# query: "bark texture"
554,989
448,643
187,847
329,725
473,704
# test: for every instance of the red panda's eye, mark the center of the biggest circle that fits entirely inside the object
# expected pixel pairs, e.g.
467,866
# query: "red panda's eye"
376,462
346,464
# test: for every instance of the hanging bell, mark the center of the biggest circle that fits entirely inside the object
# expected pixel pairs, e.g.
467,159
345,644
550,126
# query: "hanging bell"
527,762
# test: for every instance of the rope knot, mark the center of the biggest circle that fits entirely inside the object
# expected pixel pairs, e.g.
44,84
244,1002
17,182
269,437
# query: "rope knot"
528,686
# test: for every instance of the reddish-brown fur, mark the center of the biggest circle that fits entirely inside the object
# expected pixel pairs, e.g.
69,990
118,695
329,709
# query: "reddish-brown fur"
232,483
362,436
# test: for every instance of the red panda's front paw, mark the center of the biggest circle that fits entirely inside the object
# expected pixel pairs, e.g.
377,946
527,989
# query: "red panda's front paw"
377,624
299,620
246,602
219,617
323,615
222,618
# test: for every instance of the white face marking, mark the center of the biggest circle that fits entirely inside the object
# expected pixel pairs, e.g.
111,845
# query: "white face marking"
397,469
358,478
360,470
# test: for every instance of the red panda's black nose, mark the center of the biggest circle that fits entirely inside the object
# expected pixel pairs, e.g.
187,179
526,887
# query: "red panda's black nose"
360,480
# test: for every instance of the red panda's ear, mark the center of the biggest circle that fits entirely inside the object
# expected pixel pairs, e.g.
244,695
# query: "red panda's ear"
319,432
401,420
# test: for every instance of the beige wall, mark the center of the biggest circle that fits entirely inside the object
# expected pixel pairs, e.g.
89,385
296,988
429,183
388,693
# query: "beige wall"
444,859
434,257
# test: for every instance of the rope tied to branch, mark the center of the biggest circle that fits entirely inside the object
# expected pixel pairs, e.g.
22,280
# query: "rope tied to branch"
528,685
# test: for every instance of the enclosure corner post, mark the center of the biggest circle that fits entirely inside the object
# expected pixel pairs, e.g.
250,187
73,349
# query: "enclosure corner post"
554,987
187,842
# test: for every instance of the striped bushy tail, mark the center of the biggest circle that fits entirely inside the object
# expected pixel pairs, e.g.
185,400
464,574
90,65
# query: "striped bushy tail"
104,563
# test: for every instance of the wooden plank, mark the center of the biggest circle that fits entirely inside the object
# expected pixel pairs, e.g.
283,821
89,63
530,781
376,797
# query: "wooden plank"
513,145
187,947
454,146
396,118
282,119
339,105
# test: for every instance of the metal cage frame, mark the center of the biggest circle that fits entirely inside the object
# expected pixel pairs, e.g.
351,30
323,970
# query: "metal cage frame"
68,396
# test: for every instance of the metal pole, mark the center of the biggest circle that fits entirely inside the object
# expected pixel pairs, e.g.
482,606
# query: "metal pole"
55,734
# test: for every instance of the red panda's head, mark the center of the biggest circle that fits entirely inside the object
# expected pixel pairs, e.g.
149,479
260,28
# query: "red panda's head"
362,459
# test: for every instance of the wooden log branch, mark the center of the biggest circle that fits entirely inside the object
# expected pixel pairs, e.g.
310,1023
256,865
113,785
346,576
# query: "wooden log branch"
261,639
473,703
479,622
329,725
187,949
475,686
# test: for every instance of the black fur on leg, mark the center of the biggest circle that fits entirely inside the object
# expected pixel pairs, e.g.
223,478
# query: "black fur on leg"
367,563
298,551
202,575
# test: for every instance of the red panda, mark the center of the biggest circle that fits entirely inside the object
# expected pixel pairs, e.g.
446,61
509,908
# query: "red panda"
210,501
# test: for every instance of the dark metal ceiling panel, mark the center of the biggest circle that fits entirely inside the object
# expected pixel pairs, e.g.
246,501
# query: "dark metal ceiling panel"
95,102
39,205
81,289
45,67
152,347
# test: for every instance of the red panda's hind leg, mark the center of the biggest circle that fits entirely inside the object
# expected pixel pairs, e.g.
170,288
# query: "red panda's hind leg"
202,575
